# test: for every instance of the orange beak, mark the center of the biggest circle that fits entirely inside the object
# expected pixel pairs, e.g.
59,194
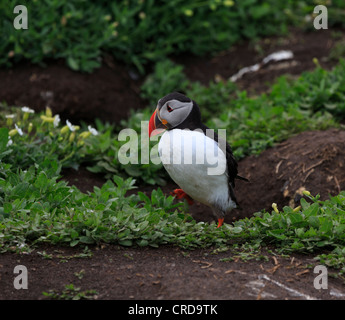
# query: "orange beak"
152,125
155,123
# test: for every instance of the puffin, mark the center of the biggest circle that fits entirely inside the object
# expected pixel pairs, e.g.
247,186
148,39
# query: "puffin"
199,161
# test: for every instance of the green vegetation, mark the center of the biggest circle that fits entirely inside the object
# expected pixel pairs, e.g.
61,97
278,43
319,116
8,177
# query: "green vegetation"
37,209
315,101
139,32
38,206
311,227
71,293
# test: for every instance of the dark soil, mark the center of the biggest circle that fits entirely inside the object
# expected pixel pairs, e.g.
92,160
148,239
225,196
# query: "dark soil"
312,160
108,94
164,273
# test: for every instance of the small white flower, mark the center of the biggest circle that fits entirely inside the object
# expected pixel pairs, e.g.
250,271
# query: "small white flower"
21,245
20,131
10,116
28,110
9,142
93,131
70,126
56,120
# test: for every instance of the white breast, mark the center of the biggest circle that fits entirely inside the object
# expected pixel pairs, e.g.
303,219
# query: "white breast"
197,164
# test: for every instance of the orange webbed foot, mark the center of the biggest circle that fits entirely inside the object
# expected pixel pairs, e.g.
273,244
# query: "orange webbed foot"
220,222
180,194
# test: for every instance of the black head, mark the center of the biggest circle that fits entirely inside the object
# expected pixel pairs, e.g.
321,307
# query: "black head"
176,110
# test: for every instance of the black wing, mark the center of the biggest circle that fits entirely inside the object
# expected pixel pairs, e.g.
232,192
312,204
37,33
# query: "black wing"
193,122
231,166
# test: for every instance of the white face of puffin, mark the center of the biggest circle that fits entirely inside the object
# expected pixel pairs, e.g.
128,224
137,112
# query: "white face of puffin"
174,112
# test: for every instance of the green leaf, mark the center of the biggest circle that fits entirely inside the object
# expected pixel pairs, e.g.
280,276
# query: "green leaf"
85,239
142,243
314,221
3,139
73,63
126,243
41,181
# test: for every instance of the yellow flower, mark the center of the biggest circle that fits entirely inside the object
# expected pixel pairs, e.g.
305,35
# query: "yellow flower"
275,207
13,132
49,112
297,209
188,12
228,3
9,119
316,62
85,134
64,130
72,137
306,193
47,119
80,143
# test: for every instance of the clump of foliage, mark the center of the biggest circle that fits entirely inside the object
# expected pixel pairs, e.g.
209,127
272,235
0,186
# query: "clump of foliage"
33,138
139,32
37,208
311,227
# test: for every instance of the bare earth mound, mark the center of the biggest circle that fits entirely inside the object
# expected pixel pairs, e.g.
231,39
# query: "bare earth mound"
311,160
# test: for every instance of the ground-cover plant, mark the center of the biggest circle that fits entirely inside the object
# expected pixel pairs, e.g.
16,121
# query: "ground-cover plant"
102,151
253,125
314,226
138,32
32,138
71,293
315,91
35,208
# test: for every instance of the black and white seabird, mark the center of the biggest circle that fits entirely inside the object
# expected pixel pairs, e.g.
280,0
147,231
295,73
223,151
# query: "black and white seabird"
189,153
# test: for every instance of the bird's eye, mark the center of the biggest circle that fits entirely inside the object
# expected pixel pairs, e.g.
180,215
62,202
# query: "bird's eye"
169,108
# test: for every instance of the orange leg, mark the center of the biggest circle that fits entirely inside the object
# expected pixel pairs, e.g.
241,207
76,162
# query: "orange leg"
179,194
220,222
